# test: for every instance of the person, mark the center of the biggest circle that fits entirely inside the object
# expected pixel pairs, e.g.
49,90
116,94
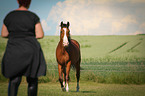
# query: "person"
23,55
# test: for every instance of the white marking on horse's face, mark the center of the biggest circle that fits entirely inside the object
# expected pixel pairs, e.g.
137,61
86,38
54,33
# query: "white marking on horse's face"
65,39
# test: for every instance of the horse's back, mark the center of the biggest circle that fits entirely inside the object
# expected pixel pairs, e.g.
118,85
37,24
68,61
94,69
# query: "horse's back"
75,43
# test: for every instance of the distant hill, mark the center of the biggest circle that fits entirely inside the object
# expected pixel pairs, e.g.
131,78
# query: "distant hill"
140,34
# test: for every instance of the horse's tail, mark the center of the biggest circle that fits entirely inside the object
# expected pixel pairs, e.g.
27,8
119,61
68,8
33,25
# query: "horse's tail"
74,68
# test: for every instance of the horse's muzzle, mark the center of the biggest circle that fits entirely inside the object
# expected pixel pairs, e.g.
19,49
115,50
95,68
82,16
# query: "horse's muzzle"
65,44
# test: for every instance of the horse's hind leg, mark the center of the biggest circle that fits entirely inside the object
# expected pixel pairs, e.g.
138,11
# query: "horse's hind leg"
78,74
60,77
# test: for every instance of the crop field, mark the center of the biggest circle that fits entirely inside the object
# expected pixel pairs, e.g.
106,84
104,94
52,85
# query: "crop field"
105,59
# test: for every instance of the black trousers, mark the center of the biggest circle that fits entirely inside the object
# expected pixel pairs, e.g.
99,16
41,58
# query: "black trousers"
15,82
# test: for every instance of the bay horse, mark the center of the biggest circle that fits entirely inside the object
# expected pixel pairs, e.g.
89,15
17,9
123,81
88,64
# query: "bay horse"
67,55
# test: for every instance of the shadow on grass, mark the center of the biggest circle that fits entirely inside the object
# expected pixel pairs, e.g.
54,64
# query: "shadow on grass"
83,91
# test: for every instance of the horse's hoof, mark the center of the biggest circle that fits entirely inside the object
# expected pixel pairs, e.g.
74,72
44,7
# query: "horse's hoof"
63,89
67,90
77,89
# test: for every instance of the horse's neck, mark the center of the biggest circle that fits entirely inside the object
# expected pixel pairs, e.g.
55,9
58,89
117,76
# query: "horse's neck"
62,47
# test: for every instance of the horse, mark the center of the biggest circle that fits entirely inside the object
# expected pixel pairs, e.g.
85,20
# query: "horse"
67,55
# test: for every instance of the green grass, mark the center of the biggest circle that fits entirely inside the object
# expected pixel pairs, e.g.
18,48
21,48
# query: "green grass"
105,59
86,89
118,47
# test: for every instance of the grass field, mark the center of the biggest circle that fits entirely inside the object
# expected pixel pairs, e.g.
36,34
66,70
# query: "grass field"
111,66
105,59
86,89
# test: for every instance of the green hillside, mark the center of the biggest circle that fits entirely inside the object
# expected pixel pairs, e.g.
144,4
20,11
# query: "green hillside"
104,58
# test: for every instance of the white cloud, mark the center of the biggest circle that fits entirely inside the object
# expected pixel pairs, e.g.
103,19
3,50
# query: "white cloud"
83,15
137,1
129,19
122,24
132,1
142,26
45,26
91,17
141,30
116,26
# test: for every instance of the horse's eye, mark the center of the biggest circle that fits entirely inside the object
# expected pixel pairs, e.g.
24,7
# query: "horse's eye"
60,31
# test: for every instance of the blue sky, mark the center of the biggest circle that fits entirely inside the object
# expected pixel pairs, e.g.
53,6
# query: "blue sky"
86,17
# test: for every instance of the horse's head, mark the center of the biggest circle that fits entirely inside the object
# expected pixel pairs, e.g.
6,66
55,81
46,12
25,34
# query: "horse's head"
65,34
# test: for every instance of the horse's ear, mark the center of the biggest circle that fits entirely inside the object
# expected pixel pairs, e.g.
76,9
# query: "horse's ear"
61,24
67,24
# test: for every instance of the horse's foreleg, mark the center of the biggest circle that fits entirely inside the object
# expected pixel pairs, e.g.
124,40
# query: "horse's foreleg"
67,75
60,76
64,75
78,75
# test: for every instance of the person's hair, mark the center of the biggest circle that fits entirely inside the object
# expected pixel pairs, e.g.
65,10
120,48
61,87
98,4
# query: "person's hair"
24,3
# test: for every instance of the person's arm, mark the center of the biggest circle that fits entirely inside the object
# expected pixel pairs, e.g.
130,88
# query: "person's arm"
4,31
39,31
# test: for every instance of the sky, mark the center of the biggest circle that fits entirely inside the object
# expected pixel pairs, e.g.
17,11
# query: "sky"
86,17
